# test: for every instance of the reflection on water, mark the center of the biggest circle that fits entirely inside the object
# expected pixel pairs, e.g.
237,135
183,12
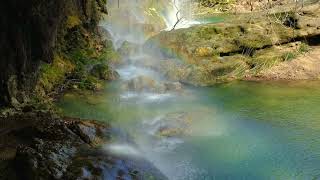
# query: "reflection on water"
242,130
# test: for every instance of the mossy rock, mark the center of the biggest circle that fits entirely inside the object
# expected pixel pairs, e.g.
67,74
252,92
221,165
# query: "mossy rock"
54,74
104,72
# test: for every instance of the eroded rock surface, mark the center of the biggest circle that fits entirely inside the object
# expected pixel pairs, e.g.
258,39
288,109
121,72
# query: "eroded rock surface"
66,148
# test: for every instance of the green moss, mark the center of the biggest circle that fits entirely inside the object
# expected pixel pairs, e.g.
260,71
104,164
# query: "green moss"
303,48
208,32
90,83
100,71
73,21
109,54
53,74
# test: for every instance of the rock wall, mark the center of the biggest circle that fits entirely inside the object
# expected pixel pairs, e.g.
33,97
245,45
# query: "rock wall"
31,31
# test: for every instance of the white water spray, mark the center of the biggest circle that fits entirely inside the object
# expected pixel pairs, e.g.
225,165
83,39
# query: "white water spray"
181,14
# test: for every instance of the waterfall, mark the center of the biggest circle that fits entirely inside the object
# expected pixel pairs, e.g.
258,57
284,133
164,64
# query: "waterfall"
125,21
181,14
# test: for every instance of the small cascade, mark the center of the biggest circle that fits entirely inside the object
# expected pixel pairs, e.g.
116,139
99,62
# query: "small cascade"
181,14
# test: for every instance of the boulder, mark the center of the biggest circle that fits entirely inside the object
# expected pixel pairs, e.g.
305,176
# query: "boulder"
141,83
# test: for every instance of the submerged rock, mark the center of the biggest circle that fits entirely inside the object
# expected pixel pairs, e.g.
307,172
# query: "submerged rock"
172,125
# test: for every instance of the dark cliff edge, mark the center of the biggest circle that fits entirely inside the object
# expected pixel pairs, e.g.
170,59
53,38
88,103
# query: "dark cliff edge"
46,46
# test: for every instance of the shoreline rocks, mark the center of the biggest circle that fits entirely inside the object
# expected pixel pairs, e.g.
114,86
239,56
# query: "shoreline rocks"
58,148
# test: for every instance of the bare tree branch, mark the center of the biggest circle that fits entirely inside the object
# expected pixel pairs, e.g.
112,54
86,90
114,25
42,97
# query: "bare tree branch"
179,19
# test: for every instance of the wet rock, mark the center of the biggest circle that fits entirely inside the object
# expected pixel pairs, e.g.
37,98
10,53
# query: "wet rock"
127,48
91,132
141,83
51,147
97,164
104,72
47,160
48,144
173,125
173,86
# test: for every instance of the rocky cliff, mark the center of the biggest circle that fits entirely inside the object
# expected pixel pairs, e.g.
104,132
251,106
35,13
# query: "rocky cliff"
31,33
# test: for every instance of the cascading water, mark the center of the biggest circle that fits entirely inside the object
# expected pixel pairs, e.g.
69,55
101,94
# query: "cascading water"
126,23
180,14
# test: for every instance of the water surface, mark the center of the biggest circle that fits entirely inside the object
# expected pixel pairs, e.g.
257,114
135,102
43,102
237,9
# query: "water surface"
241,130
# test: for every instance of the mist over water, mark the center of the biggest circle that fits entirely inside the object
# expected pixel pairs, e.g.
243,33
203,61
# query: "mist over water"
233,131
129,19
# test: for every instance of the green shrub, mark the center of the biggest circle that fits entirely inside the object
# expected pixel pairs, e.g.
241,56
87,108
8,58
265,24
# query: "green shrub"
304,48
288,56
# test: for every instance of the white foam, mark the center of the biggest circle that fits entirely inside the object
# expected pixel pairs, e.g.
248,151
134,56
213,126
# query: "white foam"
129,72
122,149
146,97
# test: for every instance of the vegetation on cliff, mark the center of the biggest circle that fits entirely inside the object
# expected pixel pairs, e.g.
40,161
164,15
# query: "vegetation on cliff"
238,48
52,39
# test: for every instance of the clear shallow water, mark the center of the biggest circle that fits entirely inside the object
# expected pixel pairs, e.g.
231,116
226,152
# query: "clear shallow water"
242,130
210,19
